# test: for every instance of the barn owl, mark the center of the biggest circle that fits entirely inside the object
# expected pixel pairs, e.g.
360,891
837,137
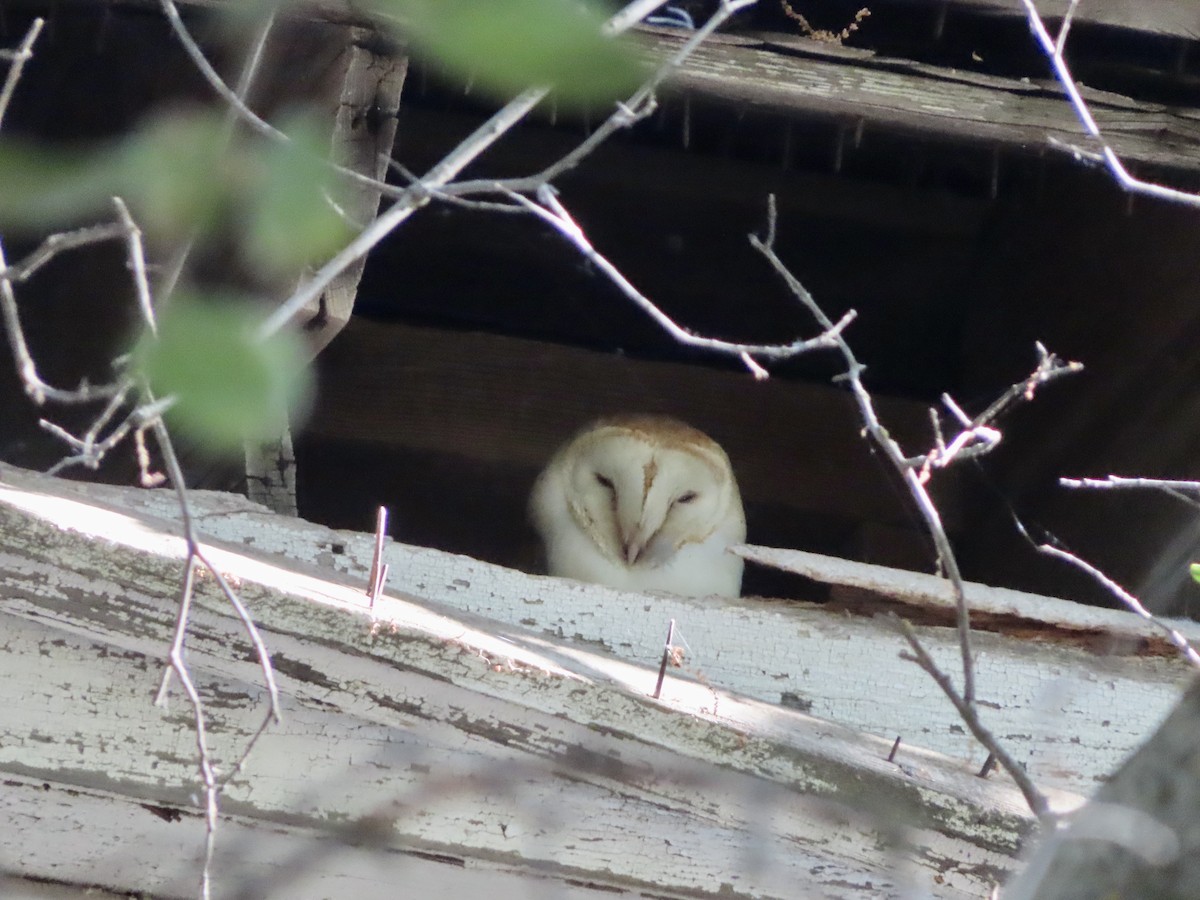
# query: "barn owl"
643,503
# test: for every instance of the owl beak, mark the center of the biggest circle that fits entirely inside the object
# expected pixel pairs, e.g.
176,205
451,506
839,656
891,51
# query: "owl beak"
633,549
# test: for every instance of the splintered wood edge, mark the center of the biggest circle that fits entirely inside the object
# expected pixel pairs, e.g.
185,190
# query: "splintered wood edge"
919,589
62,540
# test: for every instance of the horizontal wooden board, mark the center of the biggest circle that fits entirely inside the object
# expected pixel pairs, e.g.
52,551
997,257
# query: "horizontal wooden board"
1179,18
804,77
511,400
1069,708
417,729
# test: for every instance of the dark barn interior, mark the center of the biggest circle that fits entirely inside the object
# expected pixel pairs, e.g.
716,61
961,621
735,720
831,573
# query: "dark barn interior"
915,184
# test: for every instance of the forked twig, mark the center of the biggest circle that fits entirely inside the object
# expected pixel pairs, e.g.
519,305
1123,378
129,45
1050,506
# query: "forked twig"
437,179
1054,49
969,713
551,211
890,448
1049,368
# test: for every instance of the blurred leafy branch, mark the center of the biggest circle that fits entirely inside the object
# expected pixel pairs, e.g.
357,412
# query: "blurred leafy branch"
185,177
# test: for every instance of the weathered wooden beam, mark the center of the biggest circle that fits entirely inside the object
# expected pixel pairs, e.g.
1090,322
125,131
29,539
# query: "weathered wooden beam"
480,748
512,400
802,77
1137,836
1179,18
1072,690
363,133
360,93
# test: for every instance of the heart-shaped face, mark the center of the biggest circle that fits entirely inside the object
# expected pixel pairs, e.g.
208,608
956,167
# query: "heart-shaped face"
634,493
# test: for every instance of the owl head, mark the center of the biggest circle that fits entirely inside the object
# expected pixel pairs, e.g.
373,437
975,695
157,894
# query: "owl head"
641,488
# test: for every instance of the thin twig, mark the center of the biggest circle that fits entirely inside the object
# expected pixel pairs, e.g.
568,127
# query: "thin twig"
19,57
215,81
1180,490
1131,602
969,714
1053,49
632,14
38,390
978,437
1048,367
207,772
178,665
57,243
551,211
1117,482
236,98
418,195
414,198
179,259
640,105
137,262
883,439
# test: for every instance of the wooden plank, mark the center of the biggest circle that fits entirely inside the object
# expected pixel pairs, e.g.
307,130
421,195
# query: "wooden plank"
671,176
364,130
419,730
926,101
1069,705
1177,18
511,400
921,99
1012,609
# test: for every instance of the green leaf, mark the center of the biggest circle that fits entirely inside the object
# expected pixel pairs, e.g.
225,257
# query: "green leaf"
41,187
169,170
289,219
1194,568
508,45
175,173
229,386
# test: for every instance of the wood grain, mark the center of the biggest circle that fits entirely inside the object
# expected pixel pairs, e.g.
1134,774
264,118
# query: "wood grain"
512,400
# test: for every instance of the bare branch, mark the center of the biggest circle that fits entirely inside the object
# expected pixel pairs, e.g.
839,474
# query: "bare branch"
236,98
1131,602
419,194
633,13
179,259
236,103
137,261
413,199
37,389
1180,490
977,437
640,105
551,211
1049,368
1116,483
57,243
891,449
1053,48
19,57
970,716
178,665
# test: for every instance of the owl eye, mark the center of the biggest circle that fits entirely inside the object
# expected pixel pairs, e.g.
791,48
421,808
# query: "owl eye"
605,482
686,497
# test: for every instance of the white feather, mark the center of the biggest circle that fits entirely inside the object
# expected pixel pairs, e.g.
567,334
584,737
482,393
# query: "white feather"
641,503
